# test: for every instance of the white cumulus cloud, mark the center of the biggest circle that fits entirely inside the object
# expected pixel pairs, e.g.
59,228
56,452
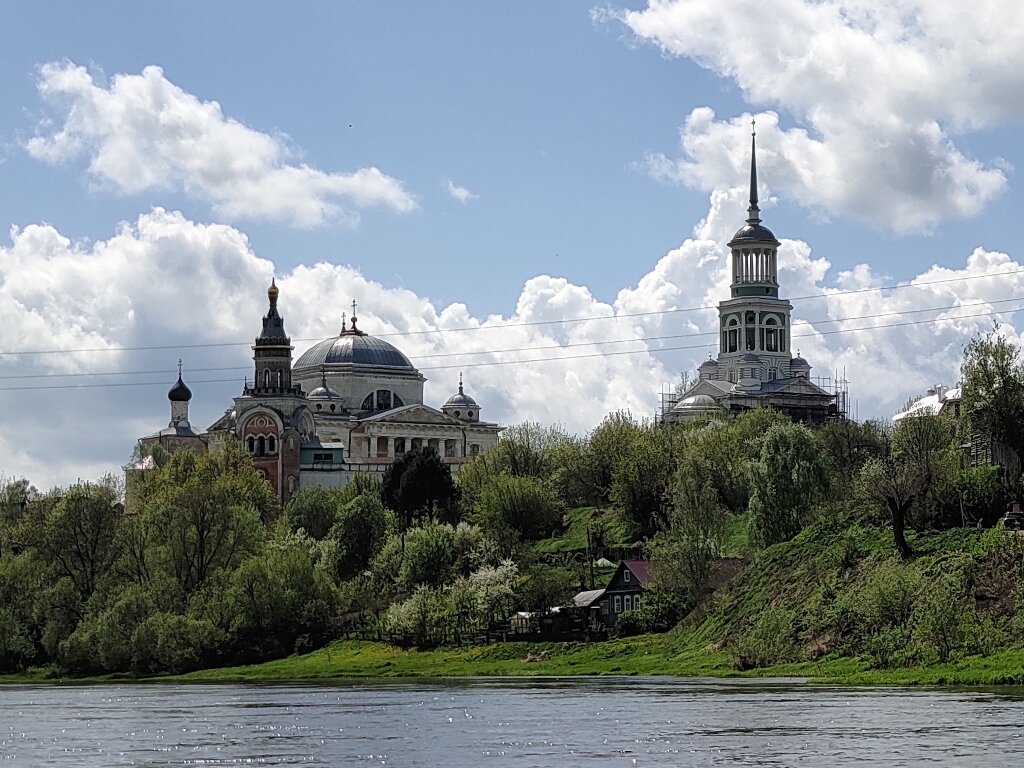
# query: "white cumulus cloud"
98,318
878,95
457,193
143,133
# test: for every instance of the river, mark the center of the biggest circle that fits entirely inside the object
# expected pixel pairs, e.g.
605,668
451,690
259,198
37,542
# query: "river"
509,722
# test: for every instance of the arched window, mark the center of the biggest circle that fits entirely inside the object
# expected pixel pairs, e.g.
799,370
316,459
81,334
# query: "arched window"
733,335
251,444
280,379
367,403
271,444
396,401
333,406
771,335
469,414
261,445
383,400
266,377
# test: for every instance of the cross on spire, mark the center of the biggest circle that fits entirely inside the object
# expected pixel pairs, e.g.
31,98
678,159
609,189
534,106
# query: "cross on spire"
179,367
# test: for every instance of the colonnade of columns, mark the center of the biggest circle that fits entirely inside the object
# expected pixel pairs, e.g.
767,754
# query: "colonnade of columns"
754,265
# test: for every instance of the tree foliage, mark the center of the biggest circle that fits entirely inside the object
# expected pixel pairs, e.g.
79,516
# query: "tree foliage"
786,481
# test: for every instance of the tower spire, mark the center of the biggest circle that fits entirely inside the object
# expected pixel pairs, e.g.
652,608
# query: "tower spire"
753,212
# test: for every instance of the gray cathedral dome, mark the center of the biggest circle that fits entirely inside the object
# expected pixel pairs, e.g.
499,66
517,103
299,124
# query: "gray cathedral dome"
353,349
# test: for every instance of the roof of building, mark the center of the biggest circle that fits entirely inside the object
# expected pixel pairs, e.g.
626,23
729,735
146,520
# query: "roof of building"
353,349
639,568
179,393
461,398
588,598
930,404
323,392
754,233
273,323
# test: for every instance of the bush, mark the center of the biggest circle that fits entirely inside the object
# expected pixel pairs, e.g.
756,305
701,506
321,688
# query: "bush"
170,642
768,642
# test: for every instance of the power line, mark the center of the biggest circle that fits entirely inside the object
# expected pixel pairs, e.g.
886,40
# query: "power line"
402,334
489,363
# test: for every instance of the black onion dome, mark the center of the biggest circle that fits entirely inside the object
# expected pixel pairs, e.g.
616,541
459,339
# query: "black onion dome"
354,349
179,393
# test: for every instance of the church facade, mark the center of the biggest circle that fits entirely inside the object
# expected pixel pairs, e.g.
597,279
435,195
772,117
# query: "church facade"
351,403
755,366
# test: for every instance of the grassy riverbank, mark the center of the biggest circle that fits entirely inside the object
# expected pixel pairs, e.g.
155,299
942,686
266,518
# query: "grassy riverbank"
833,605
647,655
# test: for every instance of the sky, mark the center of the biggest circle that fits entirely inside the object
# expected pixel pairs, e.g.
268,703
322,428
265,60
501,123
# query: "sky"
537,196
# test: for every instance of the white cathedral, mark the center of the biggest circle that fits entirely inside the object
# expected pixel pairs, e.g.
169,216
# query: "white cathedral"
351,403
755,366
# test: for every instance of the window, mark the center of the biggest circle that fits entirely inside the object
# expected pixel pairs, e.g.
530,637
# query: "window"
280,379
636,602
626,575
383,400
319,407
749,336
368,403
458,414
251,444
627,603
266,377
449,449
417,443
618,604
261,445
399,445
271,444
771,335
469,414
733,335
333,406
474,449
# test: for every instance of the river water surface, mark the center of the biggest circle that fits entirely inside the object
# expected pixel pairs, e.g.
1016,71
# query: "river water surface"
509,722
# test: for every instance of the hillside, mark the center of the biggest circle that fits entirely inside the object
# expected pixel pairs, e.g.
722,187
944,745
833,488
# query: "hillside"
833,604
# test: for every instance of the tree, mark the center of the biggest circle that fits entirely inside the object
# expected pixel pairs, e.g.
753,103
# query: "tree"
641,477
993,389
606,445
203,514
788,478
360,529
418,484
847,446
524,507
916,455
313,509
76,535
